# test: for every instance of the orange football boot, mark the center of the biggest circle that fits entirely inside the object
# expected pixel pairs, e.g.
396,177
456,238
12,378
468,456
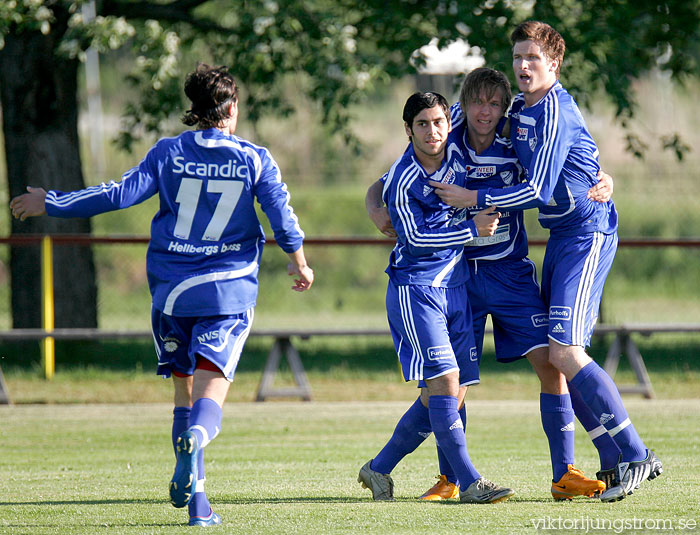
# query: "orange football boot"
442,490
574,483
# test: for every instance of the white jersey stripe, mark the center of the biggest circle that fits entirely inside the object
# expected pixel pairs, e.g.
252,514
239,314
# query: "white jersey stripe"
202,279
235,355
416,365
415,238
583,292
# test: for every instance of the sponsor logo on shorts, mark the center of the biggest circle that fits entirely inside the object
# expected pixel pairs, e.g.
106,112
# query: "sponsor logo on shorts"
560,313
424,435
540,320
558,328
440,353
473,356
207,337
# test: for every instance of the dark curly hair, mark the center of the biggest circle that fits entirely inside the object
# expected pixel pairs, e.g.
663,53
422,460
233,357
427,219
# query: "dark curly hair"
211,90
418,102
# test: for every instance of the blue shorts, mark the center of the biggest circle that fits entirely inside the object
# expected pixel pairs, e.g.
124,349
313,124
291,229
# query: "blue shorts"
508,290
432,332
219,339
573,275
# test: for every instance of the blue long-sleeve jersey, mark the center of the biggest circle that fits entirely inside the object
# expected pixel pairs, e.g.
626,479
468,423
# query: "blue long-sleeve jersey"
560,159
431,234
206,239
495,167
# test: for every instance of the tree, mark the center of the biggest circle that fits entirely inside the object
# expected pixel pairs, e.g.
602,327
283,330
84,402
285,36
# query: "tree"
342,47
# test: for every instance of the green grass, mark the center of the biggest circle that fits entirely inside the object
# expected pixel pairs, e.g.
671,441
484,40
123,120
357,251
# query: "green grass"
357,368
291,467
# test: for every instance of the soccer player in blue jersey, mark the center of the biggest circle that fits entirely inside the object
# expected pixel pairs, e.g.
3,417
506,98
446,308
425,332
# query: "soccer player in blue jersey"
427,306
202,261
503,281
561,160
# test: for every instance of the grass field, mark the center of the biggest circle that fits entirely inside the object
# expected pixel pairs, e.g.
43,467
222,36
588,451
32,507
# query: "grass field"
291,467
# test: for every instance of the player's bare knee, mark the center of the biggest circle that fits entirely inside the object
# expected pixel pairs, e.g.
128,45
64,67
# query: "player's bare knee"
445,385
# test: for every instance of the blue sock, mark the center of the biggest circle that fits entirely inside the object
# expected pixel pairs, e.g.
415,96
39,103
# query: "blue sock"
445,468
181,418
449,434
205,420
413,428
599,392
558,424
205,423
199,506
608,452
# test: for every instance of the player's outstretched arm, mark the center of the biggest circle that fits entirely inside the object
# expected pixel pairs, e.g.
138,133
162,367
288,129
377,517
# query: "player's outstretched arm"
30,204
377,211
486,221
298,267
603,190
454,195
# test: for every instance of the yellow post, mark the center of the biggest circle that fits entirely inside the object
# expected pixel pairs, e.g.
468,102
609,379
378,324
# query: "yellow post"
48,348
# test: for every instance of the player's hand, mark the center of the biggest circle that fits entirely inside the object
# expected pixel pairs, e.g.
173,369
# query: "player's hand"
486,221
305,274
380,217
454,195
603,190
30,204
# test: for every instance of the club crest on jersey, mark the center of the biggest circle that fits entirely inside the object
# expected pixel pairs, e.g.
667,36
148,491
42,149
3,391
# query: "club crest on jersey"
522,133
533,143
507,177
457,216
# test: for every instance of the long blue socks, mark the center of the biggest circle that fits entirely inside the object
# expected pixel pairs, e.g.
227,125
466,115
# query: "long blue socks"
558,424
204,420
445,468
608,451
413,428
449,434
599,392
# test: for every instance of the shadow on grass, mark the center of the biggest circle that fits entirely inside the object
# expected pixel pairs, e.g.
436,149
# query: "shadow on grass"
326,355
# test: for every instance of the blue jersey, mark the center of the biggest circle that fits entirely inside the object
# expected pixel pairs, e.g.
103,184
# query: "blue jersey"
495,167
431,234
560,160
206,239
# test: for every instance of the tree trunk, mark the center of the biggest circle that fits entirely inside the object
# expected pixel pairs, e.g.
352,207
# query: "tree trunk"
38,91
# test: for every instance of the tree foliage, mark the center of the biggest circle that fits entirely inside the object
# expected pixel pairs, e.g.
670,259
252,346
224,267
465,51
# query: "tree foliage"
343,47
337,49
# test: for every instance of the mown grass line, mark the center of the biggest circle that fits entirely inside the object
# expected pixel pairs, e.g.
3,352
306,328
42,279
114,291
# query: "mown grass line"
291,467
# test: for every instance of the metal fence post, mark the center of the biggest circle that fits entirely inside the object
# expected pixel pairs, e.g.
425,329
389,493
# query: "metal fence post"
48,347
